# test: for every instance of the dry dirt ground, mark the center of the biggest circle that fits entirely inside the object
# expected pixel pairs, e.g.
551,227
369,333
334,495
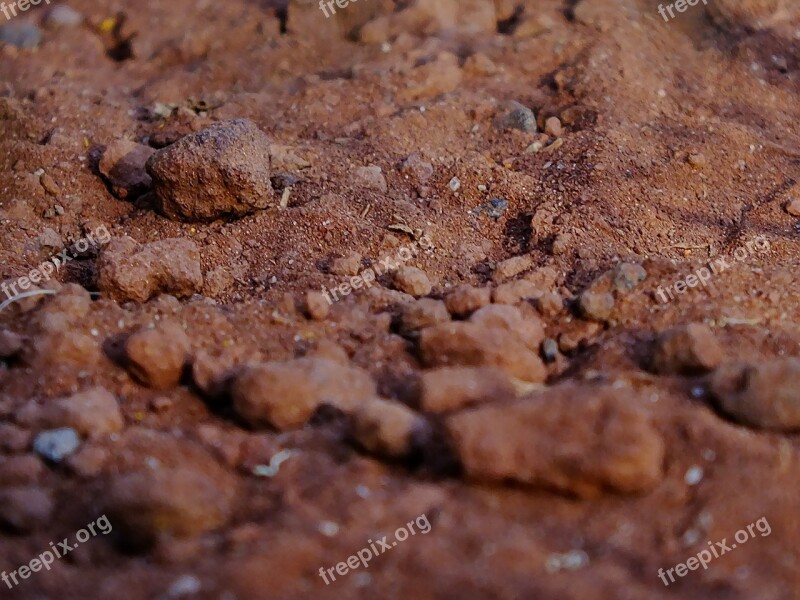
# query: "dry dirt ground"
580,370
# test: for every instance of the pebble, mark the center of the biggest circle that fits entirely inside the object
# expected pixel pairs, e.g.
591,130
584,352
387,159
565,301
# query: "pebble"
552,126
156,357
511,267
423,313
514,292
346,265
762,396
55,445
693,476
549,350
92,412
596,306
49,184
793,207
390,429
687,349
528,328
412,281
63,16
130,271
613,446
123,168
371,177
626,276
231,158
21,34
418,169
455,184
517,116
466,299
286,394
317,306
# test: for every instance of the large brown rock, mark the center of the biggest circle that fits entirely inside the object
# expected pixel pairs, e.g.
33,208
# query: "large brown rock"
576,439
223,170
285,394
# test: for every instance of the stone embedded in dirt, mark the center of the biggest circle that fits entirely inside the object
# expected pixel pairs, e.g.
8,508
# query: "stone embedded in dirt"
390,429
25,508
92,412
213,368
626,276
346,265
10,343
423,313
793,207
550,304
20,34
516,116
371,177
223,170
552,126
448,389
576,334
573,438
596,306
123,168
687,349
466,299
440,76
549,350
167,501
470,344
529,329
63,16
764,396
56,444
285,394
316,305
156,357
413,281
514,292
417,168
511,267
128,270
49,184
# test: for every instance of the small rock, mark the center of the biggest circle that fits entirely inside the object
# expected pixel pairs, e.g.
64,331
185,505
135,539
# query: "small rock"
284,395
56,444
466,299
346,265
156,357
763,396
561,244
688,349
25,508
596,306
511,267
390,429
576,334
440,76
552,126
455,184
10,344
21,34
371,177
413,281
49,184
517,116
128,270
793,207
470,344
423,313
626,276
418,169
549,350
448,389
697,160
529,329
93,412
231,159
63,16
515,292
539,442
550,304
123,168
317,306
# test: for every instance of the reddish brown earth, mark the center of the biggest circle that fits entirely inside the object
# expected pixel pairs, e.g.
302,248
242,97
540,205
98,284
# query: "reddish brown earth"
520,381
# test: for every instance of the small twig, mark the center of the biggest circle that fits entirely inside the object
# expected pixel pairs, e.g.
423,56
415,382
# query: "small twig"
13,299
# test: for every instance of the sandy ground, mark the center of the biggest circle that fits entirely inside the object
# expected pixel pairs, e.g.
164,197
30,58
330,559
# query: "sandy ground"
566,350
